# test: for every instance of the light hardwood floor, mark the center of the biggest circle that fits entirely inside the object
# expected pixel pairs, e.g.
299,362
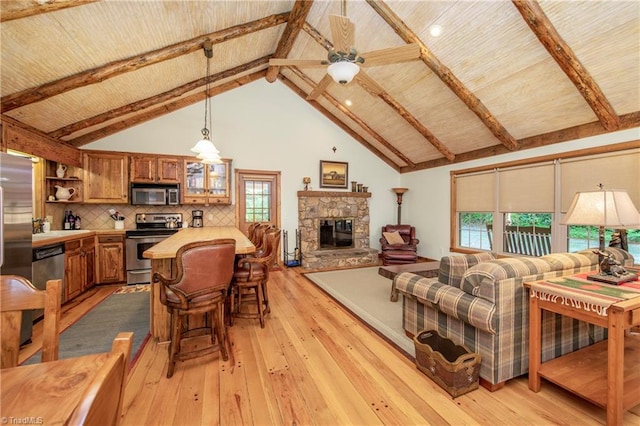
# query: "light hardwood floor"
314,363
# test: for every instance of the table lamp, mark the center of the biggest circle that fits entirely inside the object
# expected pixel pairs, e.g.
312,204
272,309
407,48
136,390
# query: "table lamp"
605,209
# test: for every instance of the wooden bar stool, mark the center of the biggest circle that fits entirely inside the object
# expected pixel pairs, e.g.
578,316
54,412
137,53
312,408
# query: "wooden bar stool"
250,279
204,272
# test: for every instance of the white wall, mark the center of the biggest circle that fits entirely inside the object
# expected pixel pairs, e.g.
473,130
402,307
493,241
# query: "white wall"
427,203
266,126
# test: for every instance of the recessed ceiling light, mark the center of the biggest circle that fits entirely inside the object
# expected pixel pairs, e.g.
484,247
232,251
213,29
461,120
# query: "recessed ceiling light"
435,30
348,102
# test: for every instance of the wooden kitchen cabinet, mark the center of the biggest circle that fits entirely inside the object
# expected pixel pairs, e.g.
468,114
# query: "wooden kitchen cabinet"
206,183
106,178
79,269
155,169
110,259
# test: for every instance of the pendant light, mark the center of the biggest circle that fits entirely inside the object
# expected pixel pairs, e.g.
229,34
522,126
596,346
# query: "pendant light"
206,150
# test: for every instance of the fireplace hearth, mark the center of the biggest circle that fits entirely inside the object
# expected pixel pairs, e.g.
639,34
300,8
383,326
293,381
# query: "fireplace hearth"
334,229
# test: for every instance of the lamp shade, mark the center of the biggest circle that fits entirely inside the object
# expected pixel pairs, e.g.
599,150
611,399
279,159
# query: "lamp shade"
205,146
611,209
210,157
343,72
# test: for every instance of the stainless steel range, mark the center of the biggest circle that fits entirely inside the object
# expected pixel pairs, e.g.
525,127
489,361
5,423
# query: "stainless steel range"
151,228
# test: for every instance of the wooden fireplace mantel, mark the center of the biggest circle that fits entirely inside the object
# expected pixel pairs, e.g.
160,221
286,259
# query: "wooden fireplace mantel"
333,194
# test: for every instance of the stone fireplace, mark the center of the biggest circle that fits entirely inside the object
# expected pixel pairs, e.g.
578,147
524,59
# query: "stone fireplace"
335,212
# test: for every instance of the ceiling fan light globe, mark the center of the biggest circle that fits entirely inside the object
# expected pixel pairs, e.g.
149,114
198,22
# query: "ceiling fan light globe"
343,72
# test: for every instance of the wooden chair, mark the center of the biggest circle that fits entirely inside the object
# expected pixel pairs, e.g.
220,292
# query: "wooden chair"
251,230
258,237
101,403
250,279
204,272
17,295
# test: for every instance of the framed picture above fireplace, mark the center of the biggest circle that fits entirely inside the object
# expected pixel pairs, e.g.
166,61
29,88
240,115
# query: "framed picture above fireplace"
333,174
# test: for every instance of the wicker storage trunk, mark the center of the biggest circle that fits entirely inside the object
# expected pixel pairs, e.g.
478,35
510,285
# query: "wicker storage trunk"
453,367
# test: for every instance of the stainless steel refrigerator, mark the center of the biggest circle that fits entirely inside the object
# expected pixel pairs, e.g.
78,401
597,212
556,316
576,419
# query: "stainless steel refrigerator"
16,216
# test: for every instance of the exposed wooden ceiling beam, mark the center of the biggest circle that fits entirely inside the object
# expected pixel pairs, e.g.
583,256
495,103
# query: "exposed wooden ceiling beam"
297,17
627,121
346,111
445,74
537,20
338,122
10,10
157,99
164,109
396,106
112,69
24,138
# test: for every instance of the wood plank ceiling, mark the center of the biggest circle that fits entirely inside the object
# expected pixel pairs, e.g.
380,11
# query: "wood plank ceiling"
502,76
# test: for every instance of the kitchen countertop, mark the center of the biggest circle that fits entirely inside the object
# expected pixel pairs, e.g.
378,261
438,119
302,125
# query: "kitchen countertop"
60,236
166,249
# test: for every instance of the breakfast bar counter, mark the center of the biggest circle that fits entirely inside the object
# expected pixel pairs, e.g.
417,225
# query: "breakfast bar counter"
163,256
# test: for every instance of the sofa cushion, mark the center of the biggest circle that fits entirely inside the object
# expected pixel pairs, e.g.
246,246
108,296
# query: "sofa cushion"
452,268
624,257
480,280
560,261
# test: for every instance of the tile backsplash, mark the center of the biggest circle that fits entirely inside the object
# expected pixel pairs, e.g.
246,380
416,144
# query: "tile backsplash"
96,216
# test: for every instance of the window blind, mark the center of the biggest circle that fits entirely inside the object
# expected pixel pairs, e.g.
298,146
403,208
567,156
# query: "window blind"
527,189
619,170
476,192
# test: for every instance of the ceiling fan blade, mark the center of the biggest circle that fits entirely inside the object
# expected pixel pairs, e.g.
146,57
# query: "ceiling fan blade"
342,32
322,85
368,83
284,62
391,55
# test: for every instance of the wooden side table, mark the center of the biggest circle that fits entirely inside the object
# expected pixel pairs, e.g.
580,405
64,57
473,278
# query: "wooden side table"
425,269
606,378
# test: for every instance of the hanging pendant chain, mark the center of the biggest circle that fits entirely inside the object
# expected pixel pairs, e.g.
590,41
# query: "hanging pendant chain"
206,100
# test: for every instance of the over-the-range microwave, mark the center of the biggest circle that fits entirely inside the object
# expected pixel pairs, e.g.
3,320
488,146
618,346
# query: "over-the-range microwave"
149,194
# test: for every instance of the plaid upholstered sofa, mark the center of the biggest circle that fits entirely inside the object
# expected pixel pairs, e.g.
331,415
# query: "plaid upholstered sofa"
479,301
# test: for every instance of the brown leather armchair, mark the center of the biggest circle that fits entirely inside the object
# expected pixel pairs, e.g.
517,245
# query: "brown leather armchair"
399,253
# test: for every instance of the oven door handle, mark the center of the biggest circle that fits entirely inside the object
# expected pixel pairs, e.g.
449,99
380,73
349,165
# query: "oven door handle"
146,237
142,272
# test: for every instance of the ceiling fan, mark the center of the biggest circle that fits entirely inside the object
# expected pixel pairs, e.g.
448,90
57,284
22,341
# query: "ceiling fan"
344,61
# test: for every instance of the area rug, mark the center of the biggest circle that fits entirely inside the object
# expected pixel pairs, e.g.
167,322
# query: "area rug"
366,294
95,331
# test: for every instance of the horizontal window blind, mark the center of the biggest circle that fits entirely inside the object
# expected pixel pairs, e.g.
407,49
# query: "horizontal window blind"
619,170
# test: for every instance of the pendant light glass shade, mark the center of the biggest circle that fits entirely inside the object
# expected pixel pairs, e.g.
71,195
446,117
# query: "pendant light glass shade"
205,149
343,72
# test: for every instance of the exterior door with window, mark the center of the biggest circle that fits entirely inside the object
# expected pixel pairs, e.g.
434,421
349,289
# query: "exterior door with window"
258,197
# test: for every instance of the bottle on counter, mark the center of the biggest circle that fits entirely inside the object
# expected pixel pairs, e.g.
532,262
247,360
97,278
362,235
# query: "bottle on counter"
66,225
71,220
77,223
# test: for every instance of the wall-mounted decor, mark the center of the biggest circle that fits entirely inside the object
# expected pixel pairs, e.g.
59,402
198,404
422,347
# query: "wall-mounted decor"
334,174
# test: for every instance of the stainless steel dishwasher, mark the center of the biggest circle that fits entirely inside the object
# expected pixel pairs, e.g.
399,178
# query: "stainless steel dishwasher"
48,264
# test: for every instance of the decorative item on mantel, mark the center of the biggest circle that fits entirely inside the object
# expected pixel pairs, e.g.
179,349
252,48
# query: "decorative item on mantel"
399,192
306,180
